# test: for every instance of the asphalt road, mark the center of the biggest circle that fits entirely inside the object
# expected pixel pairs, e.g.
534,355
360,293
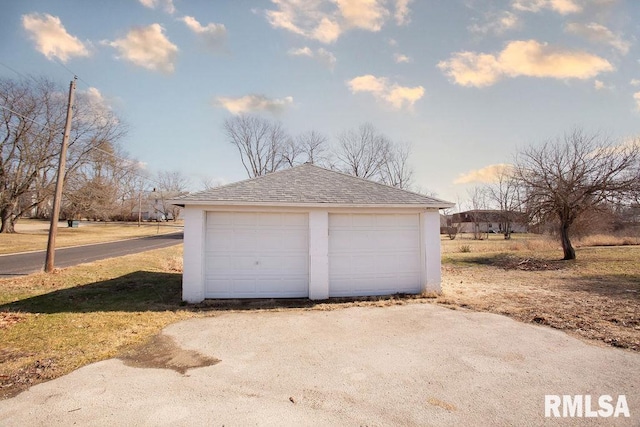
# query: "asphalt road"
32,262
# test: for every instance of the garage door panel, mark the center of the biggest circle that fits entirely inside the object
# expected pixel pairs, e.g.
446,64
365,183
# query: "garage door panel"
372,254
256,255
282,263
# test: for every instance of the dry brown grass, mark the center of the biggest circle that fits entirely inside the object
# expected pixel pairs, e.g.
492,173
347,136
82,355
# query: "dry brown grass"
607,240
596,296
51,324
497,243
32,235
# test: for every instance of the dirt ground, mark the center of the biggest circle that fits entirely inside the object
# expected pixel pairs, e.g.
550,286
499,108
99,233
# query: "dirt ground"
602,307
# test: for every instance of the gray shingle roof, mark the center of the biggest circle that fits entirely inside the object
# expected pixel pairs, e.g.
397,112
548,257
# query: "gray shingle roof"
308,184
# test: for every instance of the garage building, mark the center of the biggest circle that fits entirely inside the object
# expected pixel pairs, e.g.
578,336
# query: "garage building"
309,232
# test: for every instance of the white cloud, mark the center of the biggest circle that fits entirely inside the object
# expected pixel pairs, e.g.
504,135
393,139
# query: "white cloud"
636,97
393,94
95,96
303,51
486,175
213,35
321,55
599,85
522,58
305,18
599,33
635,82
51,38
496,23
167,5
402,12
254,103
327,31
365,14
472,69
563,7
401,59
96,108
326,20
327,58
147,47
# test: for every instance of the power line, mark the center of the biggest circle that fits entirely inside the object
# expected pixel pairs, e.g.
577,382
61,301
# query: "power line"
12,69
57,61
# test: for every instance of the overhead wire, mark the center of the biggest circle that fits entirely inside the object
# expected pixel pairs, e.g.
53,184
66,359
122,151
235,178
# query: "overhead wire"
75,75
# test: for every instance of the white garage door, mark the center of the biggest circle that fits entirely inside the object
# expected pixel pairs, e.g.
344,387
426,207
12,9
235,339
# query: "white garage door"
256,255
374,254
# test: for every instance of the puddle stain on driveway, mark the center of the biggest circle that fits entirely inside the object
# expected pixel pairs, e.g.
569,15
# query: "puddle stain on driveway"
162,352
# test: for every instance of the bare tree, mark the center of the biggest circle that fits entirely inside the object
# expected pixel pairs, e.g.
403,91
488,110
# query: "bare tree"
313,145
453,221
505,195
307,147
395,170
31,126
478,212
105,186
260,142
563,179
208,183
170,185
367,153
362,152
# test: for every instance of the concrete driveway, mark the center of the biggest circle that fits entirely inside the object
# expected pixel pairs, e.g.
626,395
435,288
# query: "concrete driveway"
416,364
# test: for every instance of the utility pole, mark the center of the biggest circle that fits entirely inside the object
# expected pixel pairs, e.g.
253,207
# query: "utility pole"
55,213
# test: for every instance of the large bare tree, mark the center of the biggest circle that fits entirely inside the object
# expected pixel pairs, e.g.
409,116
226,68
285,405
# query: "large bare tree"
565,178
260,142
395,170
313,145
362,152
32,123
367,153
105,186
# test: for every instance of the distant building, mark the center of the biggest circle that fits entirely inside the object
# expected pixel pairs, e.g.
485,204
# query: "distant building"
488,221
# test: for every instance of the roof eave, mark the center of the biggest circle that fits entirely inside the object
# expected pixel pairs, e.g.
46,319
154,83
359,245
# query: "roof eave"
436,205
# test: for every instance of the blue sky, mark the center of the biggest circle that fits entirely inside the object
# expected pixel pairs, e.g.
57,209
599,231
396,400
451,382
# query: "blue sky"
465,82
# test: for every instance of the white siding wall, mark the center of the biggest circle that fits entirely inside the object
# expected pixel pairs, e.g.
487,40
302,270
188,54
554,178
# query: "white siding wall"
430,227
193,275
318,247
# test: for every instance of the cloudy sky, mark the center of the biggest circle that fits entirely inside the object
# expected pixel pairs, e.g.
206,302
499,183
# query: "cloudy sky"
465,82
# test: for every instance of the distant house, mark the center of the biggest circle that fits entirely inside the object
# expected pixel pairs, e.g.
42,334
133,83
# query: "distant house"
156,206
488,221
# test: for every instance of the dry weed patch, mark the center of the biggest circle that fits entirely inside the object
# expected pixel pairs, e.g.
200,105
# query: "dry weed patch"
595,297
